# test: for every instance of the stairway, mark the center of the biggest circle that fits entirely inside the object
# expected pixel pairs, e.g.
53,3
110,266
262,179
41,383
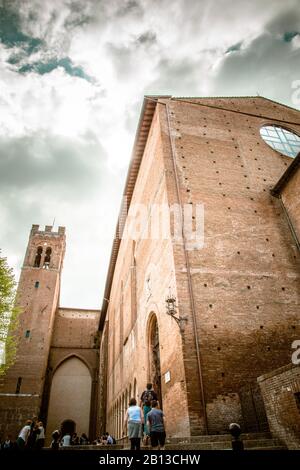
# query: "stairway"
252,441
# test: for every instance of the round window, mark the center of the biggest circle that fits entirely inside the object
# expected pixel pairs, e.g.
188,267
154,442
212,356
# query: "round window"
282,140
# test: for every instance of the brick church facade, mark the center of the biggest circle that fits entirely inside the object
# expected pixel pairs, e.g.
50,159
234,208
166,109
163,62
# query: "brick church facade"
233,293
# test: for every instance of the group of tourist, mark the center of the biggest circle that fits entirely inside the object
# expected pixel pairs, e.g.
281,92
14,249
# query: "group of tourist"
145,420
31,437
68,439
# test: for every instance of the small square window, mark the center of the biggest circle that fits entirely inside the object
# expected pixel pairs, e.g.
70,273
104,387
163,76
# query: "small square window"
27,334
36,284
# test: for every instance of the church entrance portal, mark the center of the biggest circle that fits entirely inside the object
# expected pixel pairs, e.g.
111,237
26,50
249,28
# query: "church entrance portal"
155,371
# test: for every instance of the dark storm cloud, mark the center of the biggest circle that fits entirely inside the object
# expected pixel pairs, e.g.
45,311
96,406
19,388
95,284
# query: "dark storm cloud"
286,22
12,37
65,166
130,7
268,66
176,77
11,34
147,38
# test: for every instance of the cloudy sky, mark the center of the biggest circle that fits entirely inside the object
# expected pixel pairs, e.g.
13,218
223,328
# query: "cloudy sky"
72,78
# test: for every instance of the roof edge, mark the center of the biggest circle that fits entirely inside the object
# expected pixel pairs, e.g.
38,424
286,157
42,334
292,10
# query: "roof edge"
287,175
141,136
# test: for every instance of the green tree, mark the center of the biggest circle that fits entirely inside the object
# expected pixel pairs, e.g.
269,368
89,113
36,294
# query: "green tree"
9,314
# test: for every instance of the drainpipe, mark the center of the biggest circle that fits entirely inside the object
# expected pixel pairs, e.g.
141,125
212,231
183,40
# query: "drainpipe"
187,262
290,223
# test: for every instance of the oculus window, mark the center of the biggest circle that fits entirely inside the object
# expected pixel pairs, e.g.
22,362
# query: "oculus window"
281,140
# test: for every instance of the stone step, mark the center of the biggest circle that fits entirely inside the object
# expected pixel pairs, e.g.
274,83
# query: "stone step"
252,441
216,437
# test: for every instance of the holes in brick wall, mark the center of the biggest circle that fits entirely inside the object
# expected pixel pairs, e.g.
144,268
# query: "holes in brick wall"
27,333
210,305
215,326
223,195
229,208
217,171
261,327
268,348
188,190
205,285
283,288
36,284
220,184
218,348
245,176
293,327
257,306
223,374
19,383
273,254
248,287
267,239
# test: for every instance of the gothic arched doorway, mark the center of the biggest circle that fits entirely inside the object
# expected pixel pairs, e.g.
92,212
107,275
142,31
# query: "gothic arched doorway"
154,357
70,397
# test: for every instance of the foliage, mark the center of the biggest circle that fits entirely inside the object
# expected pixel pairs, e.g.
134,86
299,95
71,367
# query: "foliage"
9,314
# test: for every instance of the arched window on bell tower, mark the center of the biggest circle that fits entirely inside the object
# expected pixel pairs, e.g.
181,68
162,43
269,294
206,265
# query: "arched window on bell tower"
38,257
47,258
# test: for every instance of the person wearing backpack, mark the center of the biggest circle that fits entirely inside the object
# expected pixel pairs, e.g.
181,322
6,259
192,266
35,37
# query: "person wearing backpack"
147,396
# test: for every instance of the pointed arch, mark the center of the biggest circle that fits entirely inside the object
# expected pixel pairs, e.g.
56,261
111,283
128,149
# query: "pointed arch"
70,395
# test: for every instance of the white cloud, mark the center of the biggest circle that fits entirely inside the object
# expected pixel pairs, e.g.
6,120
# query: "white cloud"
82,131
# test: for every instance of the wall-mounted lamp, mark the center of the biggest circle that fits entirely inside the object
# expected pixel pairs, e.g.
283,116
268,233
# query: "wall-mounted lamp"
171,309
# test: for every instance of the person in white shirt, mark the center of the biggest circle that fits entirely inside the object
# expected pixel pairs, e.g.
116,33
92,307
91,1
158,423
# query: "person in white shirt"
66,440
40,438
23,435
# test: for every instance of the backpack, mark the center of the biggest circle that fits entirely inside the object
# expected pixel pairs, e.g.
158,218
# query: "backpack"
148,395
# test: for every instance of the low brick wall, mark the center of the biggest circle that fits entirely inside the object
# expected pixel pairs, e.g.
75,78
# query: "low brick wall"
281,394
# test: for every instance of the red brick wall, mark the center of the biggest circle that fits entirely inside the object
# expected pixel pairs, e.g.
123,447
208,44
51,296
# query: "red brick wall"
246,277
278,389
245,280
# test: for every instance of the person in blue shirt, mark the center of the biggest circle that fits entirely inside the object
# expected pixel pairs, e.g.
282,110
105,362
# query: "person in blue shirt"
134,420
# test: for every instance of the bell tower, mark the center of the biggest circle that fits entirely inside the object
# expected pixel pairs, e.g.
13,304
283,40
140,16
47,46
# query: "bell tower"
38,297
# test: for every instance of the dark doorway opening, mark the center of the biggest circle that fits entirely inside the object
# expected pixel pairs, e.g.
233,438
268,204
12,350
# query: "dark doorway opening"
68,427
155,371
